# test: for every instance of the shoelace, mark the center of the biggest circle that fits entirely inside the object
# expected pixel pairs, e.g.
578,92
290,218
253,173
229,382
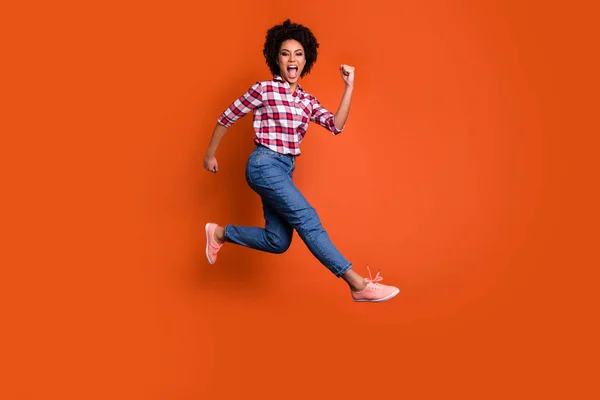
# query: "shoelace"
372,280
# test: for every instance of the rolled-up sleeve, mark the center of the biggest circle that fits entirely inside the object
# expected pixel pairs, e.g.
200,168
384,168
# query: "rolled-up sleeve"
247,102
323,117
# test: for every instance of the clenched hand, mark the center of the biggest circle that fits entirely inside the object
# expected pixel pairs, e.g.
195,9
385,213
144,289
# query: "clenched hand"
347,74
210,164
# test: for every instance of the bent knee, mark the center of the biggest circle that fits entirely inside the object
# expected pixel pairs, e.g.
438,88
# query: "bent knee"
279,244
282,247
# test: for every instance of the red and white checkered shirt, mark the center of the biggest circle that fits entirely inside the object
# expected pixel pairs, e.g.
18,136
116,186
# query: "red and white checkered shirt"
280,117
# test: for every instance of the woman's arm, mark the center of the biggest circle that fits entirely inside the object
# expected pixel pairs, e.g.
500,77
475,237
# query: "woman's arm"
247,102
343,110
210,162
215,140
328,120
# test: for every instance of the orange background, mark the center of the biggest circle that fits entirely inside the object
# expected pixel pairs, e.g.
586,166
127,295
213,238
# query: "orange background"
466,174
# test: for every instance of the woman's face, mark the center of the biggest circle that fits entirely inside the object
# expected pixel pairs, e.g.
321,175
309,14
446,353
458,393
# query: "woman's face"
291,60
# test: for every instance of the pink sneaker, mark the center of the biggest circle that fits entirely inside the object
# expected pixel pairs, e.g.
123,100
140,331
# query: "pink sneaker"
375,292
212,247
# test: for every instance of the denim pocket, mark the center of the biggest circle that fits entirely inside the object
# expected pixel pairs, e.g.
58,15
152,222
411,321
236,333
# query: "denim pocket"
265,156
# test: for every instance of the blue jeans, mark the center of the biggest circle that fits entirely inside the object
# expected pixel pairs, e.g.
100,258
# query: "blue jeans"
285,209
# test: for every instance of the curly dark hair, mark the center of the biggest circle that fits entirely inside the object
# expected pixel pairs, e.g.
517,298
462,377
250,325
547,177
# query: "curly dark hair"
286,31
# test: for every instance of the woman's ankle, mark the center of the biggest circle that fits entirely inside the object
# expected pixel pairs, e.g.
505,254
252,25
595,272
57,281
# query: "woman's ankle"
220,234
355,281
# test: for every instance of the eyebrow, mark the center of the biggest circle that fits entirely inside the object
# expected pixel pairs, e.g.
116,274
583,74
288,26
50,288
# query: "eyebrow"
289,50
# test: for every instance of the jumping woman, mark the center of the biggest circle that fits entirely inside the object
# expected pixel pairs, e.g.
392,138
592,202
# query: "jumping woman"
282,111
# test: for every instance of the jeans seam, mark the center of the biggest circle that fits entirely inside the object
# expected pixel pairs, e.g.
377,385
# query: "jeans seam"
324,254
316,244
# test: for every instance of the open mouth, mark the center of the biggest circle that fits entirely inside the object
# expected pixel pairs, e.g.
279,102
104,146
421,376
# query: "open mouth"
292,71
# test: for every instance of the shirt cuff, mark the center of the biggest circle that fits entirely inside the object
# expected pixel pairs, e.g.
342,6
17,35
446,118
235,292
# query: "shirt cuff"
334,129
226,122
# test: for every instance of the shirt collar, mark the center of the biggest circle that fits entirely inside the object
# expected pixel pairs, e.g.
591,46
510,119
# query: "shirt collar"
280,79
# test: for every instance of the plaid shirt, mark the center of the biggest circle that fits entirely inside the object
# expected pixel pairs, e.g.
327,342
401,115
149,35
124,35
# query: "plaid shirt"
280,117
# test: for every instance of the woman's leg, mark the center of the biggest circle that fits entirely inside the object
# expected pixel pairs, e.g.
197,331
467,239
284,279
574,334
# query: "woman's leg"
275,237
270,175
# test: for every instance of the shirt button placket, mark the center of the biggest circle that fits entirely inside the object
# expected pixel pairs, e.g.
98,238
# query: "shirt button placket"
294,107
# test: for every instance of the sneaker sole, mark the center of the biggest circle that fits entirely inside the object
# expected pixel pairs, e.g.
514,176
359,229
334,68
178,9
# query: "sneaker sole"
388,297
206,231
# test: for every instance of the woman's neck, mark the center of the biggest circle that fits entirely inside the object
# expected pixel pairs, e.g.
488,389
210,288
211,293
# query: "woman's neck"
293,87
